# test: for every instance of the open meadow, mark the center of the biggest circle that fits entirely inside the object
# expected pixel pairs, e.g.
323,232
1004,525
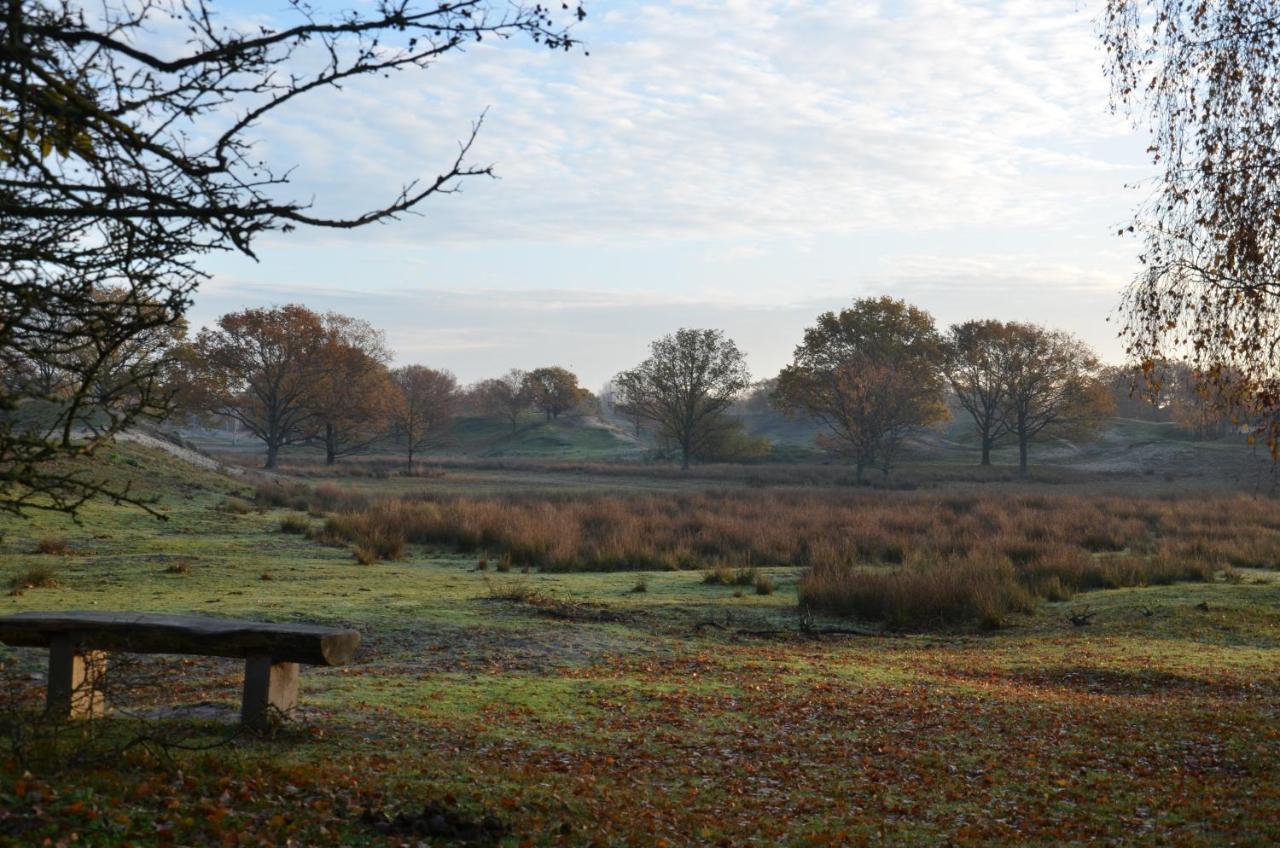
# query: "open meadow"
639,425
733,657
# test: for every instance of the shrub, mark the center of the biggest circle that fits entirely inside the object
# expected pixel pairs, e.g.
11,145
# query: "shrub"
515,589
376,537
235,506
641,584
721,575
295,524
179,567
920,596
764,584
40,575
53,546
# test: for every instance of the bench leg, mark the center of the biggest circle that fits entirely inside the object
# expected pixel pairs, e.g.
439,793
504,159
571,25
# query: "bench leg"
75,680
268,688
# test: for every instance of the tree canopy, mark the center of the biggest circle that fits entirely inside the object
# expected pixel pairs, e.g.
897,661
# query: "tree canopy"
1201,75
690,378
870,374
126,155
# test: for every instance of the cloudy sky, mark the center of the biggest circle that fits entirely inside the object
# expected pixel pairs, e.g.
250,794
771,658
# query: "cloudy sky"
741,164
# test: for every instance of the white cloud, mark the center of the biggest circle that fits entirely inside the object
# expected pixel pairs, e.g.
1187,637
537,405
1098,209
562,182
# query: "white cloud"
742,120
742,164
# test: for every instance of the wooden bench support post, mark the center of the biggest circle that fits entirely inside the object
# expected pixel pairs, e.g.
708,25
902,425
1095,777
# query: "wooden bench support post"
75,680
269,687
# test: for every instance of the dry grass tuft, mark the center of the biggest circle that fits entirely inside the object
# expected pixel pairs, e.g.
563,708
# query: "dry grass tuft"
296,523
235,506
40,575
53,546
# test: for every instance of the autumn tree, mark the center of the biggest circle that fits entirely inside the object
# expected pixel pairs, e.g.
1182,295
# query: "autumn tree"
1135,394
1193,404
690,378
350,396
974,362
264,368
136,371
1051,387
507,396
554,390
420,408
1202,76
871,375
127,154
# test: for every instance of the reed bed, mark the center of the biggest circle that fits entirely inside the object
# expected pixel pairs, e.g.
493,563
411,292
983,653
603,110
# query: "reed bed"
890,556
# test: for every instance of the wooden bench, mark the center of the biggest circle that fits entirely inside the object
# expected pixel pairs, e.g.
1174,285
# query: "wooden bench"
79,641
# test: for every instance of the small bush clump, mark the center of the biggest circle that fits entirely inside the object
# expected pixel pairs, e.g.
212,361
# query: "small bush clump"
179,567
764,584
516,589
53,546
235,506
920,596
723,575
40,575
295,524
641,584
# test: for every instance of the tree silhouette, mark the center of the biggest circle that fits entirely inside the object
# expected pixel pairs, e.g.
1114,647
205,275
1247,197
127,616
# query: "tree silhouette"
126,156
690,378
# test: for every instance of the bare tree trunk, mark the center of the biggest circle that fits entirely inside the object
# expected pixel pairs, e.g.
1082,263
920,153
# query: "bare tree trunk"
273,451
330,445
1022,452
986,451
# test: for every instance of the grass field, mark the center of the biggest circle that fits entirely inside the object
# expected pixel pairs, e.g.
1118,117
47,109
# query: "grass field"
576,710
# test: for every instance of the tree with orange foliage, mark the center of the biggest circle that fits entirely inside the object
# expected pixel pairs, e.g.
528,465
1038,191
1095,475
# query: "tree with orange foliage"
350,398
554,390
871,374
1052,387
263,368
420,408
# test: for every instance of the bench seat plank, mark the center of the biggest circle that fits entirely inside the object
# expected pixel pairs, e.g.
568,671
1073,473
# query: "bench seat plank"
199,635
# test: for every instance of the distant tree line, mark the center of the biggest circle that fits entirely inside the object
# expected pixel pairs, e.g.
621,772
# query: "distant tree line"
291,376
873,377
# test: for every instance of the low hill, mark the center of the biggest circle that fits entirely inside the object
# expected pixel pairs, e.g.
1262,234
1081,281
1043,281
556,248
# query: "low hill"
1125,445
570,437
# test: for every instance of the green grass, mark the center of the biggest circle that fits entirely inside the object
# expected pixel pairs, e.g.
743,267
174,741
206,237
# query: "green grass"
564,438
665,721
